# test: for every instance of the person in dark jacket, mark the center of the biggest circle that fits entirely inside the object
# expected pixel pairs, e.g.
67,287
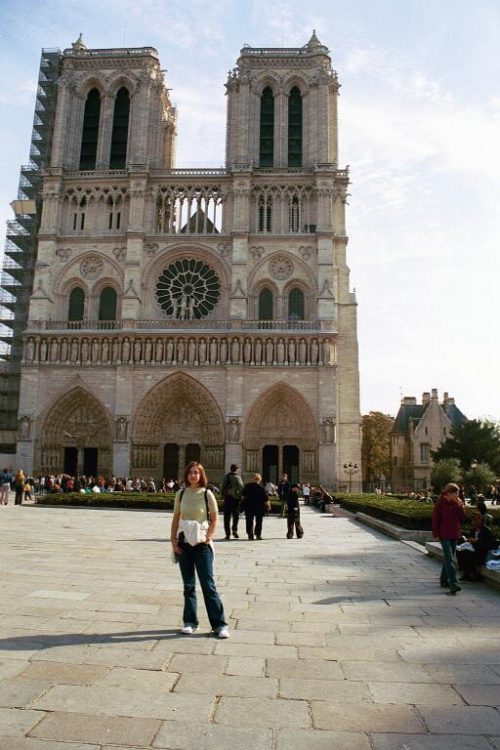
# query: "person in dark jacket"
231,489
447,517
482,540
283,490
293,512
254,503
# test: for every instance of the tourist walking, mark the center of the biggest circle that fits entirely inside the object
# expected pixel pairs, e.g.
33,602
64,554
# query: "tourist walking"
255,503
5,483
19,482
231,489
193,527
293,513
447,517
283,490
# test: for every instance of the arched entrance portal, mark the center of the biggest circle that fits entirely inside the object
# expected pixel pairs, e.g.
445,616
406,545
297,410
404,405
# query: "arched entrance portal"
178,421
77,436
281,436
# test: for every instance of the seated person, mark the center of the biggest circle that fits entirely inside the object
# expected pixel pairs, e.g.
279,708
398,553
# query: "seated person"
482,541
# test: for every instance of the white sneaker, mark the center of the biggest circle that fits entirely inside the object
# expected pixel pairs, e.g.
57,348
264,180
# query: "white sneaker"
189,629
223,632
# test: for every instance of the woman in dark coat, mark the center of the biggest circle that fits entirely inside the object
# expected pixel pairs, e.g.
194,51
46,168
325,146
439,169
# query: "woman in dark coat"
482,541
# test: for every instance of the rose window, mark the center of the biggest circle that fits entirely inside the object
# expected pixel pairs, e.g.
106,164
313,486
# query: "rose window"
188,290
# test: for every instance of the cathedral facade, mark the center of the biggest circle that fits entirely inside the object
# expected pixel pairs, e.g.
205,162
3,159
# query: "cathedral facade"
182,314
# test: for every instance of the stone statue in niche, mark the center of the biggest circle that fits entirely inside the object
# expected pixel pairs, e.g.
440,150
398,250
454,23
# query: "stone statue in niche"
105,350
25,428
121,429
159,350
234,430
30,350
213,351
203,351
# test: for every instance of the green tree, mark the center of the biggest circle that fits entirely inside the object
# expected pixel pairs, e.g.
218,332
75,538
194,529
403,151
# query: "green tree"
480,477
472,442
376,445
447,470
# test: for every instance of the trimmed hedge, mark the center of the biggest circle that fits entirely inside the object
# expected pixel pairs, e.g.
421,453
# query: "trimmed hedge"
136,500
408,514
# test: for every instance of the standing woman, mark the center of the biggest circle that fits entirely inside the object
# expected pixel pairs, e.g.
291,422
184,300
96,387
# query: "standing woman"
447,518
193,526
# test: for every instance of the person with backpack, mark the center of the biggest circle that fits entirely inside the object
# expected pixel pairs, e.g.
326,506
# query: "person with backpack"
193,527
231,490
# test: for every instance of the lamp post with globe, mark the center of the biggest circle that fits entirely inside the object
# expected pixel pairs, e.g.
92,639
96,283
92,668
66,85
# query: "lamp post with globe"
350,469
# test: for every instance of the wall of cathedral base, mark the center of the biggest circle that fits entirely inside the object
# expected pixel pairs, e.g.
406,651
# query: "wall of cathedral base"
131,413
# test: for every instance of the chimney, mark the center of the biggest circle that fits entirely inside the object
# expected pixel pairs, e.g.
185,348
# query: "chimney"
434,394
445,397
409,401
426,398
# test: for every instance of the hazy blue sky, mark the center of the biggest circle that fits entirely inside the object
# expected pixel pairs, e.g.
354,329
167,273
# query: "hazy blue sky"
419,127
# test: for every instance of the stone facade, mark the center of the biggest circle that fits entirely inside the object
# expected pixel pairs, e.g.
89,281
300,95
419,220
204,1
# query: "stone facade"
418,430
233,332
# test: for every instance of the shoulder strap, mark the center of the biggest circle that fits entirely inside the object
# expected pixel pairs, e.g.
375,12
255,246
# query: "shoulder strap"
206,505
181,495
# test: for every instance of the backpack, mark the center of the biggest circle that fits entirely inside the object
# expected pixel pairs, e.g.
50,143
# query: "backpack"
233,490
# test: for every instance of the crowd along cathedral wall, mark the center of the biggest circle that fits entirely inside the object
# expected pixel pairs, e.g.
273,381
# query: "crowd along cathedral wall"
192,313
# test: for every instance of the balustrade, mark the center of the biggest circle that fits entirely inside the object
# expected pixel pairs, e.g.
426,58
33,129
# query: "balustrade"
182,351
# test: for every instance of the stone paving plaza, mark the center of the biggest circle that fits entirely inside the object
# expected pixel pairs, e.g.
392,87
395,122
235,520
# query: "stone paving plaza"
340,640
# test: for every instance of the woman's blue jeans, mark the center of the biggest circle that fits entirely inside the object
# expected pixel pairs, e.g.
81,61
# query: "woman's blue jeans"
448,571
200,559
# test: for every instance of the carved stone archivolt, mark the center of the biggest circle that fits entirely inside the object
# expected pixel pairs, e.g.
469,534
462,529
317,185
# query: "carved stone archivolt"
283,411
179,409
77,420
103,350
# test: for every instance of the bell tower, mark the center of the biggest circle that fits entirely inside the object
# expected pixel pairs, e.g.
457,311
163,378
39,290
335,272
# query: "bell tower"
282,107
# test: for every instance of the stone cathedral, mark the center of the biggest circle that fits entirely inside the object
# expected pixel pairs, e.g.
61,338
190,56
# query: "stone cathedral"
180,314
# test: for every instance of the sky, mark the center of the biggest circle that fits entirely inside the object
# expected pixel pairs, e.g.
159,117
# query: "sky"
419,127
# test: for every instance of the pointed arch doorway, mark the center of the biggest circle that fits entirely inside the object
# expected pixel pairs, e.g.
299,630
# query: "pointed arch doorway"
178,421
281,436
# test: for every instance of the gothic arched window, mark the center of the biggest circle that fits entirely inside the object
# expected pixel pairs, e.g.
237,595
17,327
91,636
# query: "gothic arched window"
266,304
107,304
294,214
296,305
266,158
119,135
265,213
90,132
295,128
76,306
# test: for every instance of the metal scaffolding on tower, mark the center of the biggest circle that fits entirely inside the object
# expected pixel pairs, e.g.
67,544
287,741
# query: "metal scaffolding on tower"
16,281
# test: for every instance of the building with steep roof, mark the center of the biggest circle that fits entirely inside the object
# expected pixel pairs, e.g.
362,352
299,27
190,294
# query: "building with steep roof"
418,430
177,314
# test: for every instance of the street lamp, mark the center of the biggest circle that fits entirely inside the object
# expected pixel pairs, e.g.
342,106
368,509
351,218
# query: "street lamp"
350,469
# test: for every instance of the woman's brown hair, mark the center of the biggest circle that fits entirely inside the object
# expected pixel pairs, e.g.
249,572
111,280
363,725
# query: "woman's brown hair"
203,477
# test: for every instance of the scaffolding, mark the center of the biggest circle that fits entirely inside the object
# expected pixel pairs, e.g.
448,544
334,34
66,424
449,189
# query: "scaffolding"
16,281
